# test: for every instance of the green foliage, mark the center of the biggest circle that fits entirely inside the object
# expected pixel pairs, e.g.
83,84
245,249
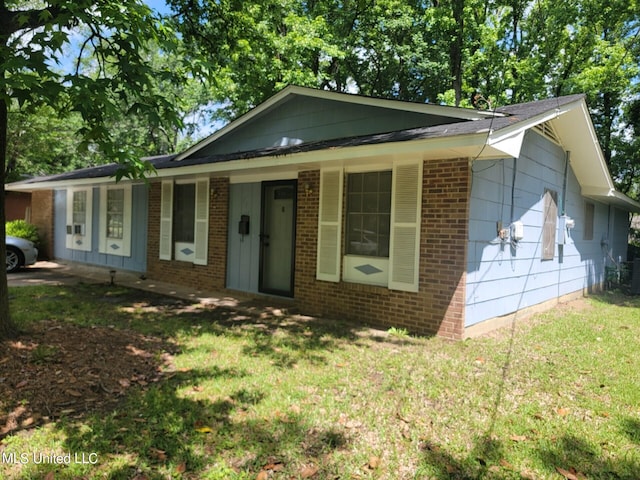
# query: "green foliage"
445,51
22,229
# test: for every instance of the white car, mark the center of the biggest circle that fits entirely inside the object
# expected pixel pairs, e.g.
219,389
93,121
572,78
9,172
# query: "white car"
20,253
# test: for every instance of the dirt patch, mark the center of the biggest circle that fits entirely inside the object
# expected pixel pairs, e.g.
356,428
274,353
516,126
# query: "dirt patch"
61,369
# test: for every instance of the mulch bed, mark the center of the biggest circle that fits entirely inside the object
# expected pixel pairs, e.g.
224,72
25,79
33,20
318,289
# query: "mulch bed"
59,370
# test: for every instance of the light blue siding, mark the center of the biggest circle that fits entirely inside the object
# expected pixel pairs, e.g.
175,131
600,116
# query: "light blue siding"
308,119
137,262
503,278
243,251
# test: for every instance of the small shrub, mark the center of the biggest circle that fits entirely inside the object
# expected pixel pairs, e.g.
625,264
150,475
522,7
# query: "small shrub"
398,332
22,229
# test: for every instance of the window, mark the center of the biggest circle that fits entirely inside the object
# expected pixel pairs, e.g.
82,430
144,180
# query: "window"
79,208
549,226
184,208
184,221
368,214
79,212
382,226
115,220
589,210
115,214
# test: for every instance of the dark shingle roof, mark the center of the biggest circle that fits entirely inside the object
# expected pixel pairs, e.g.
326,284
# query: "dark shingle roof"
511,115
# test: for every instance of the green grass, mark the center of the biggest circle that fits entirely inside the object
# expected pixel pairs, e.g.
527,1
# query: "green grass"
291,396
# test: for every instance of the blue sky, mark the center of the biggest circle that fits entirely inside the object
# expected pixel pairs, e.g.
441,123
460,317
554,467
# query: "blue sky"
159,6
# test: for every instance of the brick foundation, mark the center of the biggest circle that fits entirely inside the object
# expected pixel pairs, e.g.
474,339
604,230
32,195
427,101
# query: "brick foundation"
202,277
438,307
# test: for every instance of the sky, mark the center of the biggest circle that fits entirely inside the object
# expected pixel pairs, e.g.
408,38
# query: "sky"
159,6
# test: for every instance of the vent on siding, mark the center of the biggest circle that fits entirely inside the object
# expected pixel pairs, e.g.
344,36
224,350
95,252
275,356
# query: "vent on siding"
546,130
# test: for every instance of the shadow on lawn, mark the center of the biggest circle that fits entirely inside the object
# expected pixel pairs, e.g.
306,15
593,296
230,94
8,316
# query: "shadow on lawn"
575,454
144,428
158,434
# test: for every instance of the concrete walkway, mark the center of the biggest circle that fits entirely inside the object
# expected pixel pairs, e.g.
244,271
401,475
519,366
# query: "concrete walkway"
63,273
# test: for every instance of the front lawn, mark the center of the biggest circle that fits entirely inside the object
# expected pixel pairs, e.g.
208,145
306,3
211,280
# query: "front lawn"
115,383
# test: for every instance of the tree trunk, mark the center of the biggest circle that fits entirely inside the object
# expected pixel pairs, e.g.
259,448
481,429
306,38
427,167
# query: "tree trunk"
7,328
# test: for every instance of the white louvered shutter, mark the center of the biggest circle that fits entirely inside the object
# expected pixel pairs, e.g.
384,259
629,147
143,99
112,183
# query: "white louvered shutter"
166,219
404,257
329,225
201,236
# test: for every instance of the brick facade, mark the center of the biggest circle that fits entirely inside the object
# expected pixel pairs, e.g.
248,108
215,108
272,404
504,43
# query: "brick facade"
42,216
438,307
201,277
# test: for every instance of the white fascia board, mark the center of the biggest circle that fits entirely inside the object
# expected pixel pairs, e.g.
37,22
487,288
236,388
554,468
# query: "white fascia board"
426,108
64,184
610,196
578,136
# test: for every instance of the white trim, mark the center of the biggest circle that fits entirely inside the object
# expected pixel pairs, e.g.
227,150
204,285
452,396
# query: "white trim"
351,274
165,242
201,222
263,176
406,216
329,244
78,237
115,246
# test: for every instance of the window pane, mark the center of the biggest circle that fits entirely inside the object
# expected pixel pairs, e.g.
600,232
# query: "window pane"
184,213
79,207
368,209
115,213
354,202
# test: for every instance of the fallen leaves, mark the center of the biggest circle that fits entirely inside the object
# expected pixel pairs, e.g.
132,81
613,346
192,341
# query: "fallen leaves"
93,367
571,474
273,467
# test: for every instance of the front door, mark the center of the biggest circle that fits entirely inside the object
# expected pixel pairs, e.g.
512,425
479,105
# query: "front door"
277,237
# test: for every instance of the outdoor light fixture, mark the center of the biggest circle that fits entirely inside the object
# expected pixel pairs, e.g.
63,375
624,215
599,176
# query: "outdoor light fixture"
112,274
308,189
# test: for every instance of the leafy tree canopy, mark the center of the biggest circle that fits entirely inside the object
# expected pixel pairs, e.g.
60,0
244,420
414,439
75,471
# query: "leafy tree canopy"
109,40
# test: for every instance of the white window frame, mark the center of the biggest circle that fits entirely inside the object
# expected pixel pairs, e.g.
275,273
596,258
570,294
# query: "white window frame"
116,246
366,269
78,235
196,252
401,270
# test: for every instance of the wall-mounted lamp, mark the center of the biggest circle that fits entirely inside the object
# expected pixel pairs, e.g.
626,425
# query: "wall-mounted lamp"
308,189
214,192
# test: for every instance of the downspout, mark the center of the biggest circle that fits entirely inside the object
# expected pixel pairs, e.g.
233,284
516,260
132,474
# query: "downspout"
563,205
564,183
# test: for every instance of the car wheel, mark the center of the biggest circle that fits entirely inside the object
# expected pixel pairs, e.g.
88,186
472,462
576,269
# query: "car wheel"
14,259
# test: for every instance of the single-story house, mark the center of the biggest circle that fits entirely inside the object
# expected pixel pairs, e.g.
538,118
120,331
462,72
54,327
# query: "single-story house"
436,219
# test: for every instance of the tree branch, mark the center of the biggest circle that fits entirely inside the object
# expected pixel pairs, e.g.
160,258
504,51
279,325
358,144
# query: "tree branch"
12,21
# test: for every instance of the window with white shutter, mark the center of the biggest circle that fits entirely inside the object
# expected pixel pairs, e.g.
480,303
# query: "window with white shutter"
404,258
329,225
382,226
201,234
166,220
184,221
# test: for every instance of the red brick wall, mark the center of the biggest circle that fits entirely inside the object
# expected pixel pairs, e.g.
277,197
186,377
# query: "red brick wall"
438,307
202,277
16,205
42,216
